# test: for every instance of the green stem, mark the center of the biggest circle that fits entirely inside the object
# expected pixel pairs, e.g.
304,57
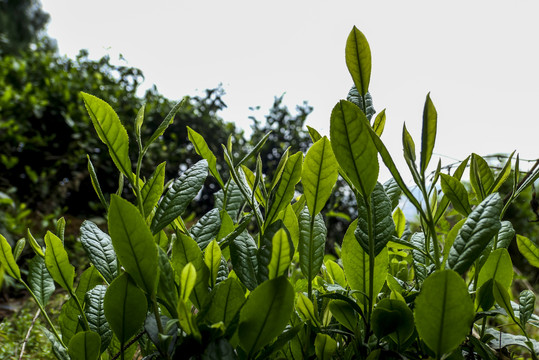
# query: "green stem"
310,282
81,311
432,228
157,316
371,266
54,331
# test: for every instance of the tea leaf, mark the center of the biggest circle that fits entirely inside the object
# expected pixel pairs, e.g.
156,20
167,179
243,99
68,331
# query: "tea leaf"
95,184
95,313
265,314
336,273
285,191
356,264
202,149
167,290
98,247
497,267
69,320
133,243
179,196
325,346
305,309
125,307
243,253
85,345
476,232
379,123
312,240
207,228
502,175
505,235
319,174
40,281
393,318
527,305
111,132
188,277
59,350
344,313
57,262
165,123
7,259
358,60
443,311
153,188
353,147
291,223
481,176
502,298
89,279
227,300
265,250
529,249
456,192
212,259
382,225
428,133
281,254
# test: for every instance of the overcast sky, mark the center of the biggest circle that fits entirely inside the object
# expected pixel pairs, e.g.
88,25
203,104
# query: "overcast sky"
479,59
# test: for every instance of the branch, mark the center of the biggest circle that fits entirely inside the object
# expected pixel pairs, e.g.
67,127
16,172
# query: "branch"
28,333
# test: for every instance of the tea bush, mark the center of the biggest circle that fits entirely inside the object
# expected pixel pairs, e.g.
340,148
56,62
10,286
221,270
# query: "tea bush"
250,280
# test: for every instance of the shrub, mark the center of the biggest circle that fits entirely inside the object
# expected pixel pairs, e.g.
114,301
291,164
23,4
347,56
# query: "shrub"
249,279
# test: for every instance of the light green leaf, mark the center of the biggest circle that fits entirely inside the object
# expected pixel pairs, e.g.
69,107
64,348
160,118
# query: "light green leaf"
353,147
243,253
206,228
382,221
356,264
95,313
188,279
57,262
89,279
185,250
502,175
481,176
319,174
202,149
133,243
324,346
344,313
227,300
444,203
85,345
153,188
336,272
305,309
450,238
265,314
95,184
409,147
456,192
7,259
479,228
501,295
443,311
497,267
253,184
312,242
379,123
400,222
165,123
34,244
358,60
98,247
290,221
40,281
179,196
285,191
428,133
265,250
111,132
281,254
125,307
212,258
529,249
314,134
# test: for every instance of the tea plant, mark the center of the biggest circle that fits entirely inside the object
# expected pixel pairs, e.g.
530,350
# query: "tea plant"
250,280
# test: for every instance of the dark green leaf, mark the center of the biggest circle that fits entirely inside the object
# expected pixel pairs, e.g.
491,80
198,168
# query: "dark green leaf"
312,240
358,60
325,346
265,314
505,235
365,104
69,320
243,253
428,133
382,225
319,174
344,313
527,305
179,196
89,279
111,132
393,318
481,225
502,175
85,346
95,313
133,243
40,281
234,200
443,311
207,228
98,247
227,300
393,191
95,184
167,289
254,150
125,307
502,340
57,348
353,148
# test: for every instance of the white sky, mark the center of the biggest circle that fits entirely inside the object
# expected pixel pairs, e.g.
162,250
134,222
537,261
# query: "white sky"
479,59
